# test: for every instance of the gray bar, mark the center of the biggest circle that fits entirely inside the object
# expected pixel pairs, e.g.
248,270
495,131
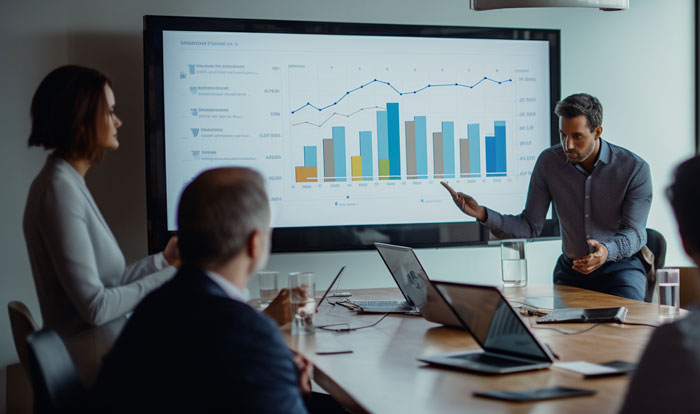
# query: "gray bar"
464,157
438,156
328,161
411,169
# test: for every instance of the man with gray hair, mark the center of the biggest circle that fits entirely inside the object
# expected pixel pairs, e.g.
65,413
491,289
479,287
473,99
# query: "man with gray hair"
602,193
195,345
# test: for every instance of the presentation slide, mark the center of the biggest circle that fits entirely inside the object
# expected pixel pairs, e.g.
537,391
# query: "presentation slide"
357,130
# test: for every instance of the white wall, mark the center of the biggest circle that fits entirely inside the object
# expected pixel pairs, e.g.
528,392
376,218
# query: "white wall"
638,62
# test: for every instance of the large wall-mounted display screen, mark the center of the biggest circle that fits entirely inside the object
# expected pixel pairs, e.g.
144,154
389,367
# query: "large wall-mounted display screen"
353,126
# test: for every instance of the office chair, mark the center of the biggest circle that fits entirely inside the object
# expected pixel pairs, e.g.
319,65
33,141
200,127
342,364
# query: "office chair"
57,388
22,324
657,244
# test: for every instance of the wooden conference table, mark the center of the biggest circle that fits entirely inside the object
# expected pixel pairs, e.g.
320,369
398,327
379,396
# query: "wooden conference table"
382,374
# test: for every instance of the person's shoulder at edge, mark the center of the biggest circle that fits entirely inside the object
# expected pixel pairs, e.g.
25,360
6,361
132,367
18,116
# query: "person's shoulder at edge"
671,357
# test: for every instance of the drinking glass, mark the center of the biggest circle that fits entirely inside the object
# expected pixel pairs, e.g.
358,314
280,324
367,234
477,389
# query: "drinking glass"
267,283
302,289
668,291
513,263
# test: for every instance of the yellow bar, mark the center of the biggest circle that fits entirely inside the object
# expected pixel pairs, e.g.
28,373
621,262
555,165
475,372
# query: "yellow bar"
356,162
307,174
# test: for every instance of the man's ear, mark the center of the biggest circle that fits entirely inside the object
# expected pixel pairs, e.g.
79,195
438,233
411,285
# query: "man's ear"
256,244
598,131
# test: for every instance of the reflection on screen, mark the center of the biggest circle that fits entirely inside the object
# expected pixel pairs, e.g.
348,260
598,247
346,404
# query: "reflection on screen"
402,263
491,320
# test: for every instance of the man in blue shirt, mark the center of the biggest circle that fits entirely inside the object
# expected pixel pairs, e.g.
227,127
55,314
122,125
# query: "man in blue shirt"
602,193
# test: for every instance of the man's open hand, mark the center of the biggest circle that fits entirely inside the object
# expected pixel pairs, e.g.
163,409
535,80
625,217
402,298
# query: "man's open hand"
466,203
588,264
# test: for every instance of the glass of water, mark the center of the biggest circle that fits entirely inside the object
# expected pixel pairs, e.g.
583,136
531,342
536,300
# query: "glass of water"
513,263
669,292
302,289
267,283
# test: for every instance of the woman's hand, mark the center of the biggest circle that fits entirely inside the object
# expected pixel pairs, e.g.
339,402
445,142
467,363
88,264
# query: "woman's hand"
171,253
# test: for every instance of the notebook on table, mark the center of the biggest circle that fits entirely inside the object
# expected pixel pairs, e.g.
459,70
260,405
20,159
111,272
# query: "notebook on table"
598,315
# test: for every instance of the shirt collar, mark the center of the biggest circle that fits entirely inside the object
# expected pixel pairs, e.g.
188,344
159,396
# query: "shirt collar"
604,155
229,288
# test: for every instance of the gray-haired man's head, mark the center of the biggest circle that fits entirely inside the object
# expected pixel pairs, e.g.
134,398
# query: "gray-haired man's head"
218,213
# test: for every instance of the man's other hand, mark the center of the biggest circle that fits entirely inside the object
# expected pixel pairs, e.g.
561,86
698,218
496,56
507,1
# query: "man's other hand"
588,264
466,203
305,369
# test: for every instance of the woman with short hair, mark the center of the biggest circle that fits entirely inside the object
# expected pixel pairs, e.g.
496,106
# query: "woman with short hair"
80,273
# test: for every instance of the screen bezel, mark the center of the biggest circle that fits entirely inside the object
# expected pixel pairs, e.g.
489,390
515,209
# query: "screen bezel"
324,238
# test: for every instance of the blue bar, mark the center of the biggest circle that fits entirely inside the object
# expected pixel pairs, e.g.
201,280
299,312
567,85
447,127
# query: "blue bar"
490,143
310,157
421,147
339,153
500,133
366,154
474,150
448,148
382,136
392,110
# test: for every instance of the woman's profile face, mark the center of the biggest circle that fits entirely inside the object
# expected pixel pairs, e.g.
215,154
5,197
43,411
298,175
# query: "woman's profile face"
108,135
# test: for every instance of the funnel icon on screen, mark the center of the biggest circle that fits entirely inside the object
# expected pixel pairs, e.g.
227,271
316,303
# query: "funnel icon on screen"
195,131
193,90
195,112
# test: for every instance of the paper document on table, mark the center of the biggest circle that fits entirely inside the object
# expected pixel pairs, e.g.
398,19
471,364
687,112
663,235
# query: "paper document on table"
585,368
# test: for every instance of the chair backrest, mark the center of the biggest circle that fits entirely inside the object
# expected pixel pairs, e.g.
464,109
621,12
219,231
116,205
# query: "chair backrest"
22,324
57,388
656,244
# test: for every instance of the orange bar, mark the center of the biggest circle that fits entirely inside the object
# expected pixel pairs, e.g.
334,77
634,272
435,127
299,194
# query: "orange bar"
307,174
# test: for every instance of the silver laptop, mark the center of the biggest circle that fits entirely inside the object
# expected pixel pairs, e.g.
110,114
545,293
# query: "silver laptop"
507,343
412,280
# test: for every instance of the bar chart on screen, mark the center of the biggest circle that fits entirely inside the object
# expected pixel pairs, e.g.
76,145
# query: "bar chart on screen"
353,130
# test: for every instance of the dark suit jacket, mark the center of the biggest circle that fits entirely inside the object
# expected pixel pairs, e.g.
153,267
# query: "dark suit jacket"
189,347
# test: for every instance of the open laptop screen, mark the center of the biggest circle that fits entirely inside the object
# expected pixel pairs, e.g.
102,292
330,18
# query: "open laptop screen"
491,321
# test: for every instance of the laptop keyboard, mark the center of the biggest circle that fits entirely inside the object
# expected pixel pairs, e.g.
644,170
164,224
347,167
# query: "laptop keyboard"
490,360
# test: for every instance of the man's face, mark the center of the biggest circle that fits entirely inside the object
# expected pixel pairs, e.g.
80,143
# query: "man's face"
577,139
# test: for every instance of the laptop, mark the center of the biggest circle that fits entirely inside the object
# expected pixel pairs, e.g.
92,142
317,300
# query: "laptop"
507,343
420,296
335,279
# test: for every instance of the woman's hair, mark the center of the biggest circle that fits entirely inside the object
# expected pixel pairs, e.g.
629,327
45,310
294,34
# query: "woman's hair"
69,110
